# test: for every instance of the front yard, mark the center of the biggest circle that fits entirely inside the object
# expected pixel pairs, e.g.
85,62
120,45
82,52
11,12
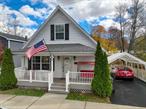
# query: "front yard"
22,91
87,97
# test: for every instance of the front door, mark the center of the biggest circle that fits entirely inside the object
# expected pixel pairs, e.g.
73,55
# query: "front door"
67,64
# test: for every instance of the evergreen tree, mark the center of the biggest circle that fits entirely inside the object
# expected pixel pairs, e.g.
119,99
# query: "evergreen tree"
7,77
101,83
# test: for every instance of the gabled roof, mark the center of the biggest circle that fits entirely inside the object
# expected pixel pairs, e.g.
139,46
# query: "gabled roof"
69,17
126,57
12,37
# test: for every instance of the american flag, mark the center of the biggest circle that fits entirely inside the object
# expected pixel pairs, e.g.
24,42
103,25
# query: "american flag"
38,47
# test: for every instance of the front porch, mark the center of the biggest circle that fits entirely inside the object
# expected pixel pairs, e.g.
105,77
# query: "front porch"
64,71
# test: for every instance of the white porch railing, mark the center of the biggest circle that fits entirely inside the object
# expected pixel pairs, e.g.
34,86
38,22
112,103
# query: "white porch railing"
34,75
83,78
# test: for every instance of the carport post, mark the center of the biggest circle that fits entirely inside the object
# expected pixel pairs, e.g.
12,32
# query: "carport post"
126,63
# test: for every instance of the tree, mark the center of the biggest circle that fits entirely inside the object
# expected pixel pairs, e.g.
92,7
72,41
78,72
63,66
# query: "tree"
120,15
7,77
98,35
101,83
10,24
136,20
114,34
98,30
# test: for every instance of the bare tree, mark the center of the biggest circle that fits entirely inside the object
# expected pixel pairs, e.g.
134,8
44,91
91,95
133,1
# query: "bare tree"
135,21
121,11
10,23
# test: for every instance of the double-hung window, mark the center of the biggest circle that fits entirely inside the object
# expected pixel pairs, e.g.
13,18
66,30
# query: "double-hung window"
60,32
39,63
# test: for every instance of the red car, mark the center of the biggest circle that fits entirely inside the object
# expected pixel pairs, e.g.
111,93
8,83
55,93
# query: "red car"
124,73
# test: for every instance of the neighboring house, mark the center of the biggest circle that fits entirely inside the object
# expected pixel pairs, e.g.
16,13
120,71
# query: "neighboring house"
14,43
70,53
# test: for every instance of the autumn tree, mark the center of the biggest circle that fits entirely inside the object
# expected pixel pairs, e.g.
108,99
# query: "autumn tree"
1,51
114,35
98,35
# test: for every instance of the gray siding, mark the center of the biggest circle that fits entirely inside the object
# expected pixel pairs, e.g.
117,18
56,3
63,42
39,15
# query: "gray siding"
15,45
4,41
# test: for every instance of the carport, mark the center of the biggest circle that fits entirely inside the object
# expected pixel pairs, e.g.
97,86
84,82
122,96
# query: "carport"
128,60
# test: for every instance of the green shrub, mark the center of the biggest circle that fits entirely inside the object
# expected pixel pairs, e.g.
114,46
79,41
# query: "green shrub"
7,77
101,83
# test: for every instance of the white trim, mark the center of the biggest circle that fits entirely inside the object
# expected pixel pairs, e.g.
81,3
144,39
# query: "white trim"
60,32
69,17
9,45
116,56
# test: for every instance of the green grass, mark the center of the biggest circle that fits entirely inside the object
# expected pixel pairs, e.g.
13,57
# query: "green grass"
26,92
87,97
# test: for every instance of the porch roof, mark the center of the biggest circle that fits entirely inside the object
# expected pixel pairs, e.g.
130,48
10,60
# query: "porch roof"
71,48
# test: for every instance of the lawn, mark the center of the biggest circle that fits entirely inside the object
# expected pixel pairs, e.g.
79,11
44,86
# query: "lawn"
26,92
87,97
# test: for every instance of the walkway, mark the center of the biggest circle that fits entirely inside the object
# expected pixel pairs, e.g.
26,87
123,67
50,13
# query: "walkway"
52,101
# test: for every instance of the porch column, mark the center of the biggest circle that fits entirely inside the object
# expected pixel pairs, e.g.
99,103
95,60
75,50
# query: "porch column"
52,67
52,57
22,61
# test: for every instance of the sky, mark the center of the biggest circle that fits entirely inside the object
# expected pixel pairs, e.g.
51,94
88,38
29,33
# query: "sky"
30,14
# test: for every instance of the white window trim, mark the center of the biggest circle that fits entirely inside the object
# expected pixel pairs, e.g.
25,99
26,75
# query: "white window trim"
60,32
39,63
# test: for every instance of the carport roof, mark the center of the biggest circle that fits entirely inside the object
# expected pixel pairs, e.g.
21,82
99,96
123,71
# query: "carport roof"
126,57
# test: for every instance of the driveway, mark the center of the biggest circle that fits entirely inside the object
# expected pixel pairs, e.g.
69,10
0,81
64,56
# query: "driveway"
129,93
53,101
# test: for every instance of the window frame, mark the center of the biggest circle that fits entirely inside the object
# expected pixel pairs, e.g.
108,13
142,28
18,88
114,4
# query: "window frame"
31,64
59,32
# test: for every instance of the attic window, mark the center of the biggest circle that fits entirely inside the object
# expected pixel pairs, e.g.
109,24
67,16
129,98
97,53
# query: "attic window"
60,32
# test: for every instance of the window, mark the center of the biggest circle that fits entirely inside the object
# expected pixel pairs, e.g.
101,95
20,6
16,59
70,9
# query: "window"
39,63
59,31
46,63
36,63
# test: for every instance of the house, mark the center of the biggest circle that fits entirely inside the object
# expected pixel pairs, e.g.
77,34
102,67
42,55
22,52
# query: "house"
70,54
14,43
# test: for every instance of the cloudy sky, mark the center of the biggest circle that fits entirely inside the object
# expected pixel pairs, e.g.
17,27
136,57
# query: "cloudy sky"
30,14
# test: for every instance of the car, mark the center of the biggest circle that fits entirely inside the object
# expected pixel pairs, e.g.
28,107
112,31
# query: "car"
124,73
113,71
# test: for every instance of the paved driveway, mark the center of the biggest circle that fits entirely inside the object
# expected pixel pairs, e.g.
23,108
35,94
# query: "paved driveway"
53,101
129,93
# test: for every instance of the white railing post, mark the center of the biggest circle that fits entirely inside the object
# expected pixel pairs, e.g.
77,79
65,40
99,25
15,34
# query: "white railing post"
30,76
52,67
49,82
67,81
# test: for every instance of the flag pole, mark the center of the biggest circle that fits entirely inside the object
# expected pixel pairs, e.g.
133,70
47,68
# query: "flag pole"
51,56
47,46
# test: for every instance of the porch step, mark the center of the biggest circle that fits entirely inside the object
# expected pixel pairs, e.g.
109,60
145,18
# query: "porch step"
58,88
57,91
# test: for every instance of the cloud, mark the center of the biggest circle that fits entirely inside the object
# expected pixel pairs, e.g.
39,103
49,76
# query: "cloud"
6,14
7,17
26,9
